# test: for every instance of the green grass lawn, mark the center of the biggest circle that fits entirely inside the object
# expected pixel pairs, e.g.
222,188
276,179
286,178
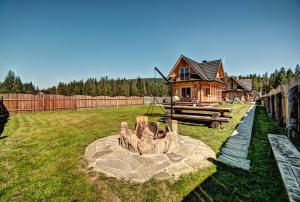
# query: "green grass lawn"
42,158
262,183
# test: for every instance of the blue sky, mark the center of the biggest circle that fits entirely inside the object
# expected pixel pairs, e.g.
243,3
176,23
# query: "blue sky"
49,41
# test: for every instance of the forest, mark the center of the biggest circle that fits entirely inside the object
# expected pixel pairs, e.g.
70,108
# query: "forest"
134,87
91,86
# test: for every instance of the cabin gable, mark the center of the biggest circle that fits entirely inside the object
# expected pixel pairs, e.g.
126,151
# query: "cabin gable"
237,88
182,71
232,84
220,73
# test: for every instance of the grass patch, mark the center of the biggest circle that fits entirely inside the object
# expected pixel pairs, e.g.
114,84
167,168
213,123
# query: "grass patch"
262,183
42,157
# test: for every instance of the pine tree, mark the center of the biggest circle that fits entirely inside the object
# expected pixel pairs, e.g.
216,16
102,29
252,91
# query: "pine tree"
289,74
140,86
18,86
297,70
9,82
61,89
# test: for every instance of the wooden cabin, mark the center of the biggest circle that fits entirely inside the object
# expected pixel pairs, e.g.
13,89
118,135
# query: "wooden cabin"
238,88
197,82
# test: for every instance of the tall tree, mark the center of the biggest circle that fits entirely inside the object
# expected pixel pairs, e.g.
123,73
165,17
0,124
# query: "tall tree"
9,82
289,74
140,86
18,86
297,70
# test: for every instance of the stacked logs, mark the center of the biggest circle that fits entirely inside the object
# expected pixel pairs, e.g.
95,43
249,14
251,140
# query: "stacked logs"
147,138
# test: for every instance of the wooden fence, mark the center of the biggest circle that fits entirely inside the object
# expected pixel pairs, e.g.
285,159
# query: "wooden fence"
283,105
17,103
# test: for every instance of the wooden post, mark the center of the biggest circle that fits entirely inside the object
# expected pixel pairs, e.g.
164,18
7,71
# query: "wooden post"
85,102
32,106
44,102
117,102
75,103
200,93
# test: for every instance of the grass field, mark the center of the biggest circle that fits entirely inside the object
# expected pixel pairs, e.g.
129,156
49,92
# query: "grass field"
262,183
41,158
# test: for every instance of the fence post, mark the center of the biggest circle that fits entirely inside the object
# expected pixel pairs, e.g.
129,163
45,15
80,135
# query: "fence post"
75,103
44,102
117,102
33,107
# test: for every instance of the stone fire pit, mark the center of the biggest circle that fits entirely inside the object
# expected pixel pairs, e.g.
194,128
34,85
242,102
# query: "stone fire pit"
147,152
147,138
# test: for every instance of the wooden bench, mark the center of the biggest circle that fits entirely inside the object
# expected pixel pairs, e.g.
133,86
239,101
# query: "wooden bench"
204,113
191,108
288,161
215,121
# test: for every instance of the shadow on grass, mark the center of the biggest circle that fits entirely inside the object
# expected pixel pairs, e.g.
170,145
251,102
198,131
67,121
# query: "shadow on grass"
261,183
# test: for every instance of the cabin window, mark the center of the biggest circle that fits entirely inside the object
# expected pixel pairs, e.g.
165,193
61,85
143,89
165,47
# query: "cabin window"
231,85
207,92
186,92
184,73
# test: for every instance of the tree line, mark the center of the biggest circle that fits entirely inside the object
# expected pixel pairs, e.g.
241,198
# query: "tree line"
105,86
112,87
264,83
91,86
13,84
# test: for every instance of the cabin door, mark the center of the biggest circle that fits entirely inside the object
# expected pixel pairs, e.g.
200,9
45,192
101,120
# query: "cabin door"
186,92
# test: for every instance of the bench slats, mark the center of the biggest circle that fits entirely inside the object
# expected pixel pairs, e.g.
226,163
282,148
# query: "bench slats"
288,161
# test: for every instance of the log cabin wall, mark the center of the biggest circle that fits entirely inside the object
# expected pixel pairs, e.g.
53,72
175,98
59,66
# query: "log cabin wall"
201,91
210,92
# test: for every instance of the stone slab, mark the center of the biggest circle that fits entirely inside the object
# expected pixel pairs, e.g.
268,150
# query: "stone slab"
106,156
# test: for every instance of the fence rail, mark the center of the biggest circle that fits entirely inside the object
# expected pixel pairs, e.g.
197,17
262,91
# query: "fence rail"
18,103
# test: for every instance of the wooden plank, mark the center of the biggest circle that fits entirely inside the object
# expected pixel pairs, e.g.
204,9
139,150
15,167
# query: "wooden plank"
235,161
235,151
288,161
212,109
200,113
190,117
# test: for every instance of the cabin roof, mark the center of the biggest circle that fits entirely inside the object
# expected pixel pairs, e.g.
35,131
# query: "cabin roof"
244,83
206,70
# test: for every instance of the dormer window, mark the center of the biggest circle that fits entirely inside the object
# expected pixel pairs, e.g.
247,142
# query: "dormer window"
184,73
